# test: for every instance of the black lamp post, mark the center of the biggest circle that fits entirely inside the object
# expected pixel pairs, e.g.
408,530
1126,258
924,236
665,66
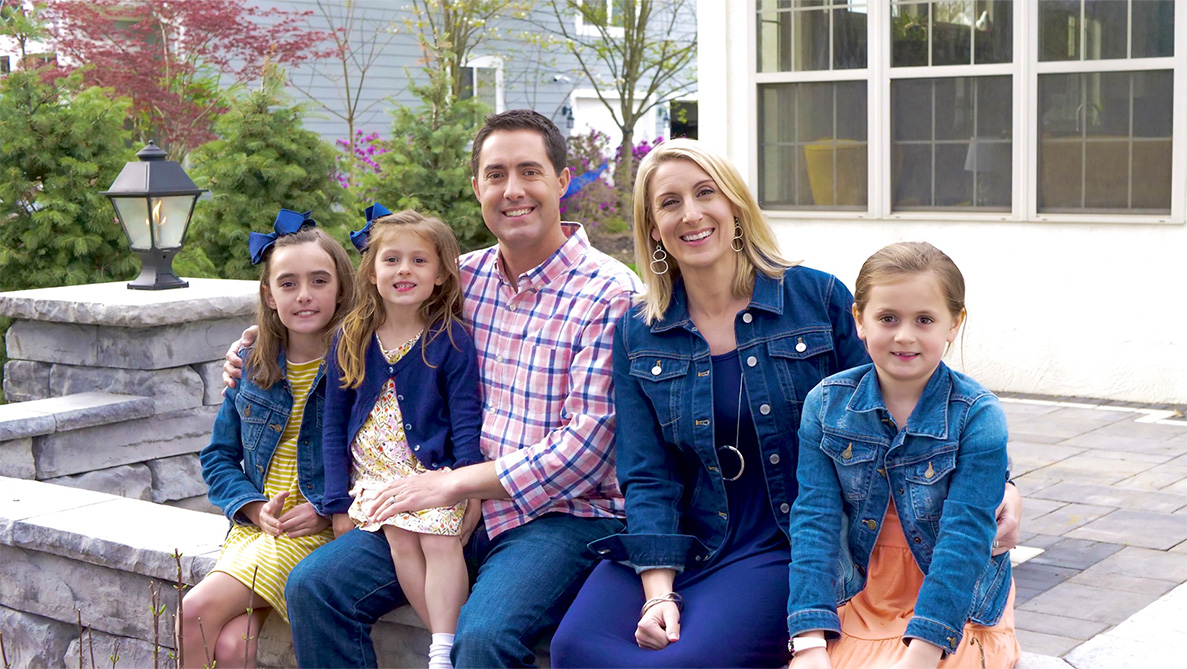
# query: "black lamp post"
154,199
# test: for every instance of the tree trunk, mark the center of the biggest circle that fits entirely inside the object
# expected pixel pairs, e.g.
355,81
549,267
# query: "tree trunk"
623,176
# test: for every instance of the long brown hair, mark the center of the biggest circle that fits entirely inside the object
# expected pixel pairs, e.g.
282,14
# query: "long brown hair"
262,361
440,312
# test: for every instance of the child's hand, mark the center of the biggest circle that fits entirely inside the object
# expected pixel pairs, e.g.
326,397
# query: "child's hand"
1009,520
268,521
813,658
342,524
233,367
301,521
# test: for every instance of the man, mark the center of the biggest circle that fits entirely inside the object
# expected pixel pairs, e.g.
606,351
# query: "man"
542,304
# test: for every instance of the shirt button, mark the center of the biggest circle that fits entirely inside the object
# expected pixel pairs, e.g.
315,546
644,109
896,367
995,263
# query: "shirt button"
785,507
511,307
764,409
774,458
746,317
498,358
752,361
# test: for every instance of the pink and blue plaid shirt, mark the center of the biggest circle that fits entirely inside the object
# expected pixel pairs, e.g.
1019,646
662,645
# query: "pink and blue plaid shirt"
544,353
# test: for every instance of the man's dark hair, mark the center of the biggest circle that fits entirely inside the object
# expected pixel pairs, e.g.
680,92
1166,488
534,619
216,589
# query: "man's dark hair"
522,119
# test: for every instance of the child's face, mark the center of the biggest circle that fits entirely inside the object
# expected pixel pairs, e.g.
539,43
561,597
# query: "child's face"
907,327
407,269
303,287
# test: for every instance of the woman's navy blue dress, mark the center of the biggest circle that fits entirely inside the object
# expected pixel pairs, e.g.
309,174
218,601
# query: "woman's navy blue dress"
735,606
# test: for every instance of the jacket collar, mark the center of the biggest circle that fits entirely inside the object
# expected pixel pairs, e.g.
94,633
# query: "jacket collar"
930,417
768,296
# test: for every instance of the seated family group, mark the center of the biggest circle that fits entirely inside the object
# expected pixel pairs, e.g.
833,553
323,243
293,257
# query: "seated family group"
731,462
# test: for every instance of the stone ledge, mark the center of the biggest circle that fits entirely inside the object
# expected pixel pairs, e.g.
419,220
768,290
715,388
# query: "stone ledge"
114,304
71,412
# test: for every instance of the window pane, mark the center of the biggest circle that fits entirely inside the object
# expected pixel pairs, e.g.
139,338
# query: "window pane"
1153,28
908,35
812,145
849,37
993,32
1104,141
1105,25
951,34
1059,30
946,152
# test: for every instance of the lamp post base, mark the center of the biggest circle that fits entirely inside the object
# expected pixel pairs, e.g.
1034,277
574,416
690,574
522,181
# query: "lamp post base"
157,272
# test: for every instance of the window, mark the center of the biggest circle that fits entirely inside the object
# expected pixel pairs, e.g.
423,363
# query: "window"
5,65
1025,110
595,13
482,78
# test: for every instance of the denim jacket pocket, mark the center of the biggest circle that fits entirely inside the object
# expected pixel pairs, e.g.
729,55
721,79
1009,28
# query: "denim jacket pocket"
854,461
253,418
799,361
662,380
928,482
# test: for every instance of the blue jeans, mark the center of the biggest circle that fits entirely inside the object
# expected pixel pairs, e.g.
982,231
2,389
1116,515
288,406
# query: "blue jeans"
526,579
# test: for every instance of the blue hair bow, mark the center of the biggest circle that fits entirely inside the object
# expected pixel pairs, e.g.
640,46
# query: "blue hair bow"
359,237
287,222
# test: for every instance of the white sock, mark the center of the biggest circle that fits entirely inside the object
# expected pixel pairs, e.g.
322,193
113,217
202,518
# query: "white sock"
439,651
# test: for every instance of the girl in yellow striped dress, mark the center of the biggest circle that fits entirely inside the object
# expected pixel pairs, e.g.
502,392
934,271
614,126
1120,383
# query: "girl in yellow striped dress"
264,462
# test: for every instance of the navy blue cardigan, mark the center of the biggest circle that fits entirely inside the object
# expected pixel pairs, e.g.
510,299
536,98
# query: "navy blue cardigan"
441,403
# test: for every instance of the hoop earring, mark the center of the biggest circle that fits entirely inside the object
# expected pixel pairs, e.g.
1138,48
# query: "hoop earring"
659,256
736,243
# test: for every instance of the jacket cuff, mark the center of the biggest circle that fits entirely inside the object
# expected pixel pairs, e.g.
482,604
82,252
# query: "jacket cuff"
935,633
465,462
331,506
811,620
651,551
231,509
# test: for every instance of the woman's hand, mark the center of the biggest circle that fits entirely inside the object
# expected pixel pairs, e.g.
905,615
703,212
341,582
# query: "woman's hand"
1009,521
813,658
233,367
659,626
301,521
342,524
426,490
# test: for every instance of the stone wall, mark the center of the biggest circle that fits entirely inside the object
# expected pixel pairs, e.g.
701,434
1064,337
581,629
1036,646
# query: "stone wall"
68,552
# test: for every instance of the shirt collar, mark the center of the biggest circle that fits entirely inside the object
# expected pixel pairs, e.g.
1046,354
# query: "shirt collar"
930,417
569,254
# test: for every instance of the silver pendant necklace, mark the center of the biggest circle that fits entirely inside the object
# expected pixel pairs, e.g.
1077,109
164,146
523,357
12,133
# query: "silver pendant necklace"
733,449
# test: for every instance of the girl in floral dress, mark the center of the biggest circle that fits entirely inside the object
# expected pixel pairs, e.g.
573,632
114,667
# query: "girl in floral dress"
403,398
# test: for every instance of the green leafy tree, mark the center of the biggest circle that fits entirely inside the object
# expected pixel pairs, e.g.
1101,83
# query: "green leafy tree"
426,165
60,146
452,30
264,160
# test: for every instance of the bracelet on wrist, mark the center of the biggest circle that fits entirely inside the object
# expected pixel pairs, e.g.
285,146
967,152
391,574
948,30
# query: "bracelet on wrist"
673,597
801,643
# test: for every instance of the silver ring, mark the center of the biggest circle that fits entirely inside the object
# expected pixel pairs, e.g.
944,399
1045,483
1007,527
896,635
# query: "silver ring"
995,544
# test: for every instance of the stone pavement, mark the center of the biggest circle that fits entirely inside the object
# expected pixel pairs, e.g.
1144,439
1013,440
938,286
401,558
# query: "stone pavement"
1105,501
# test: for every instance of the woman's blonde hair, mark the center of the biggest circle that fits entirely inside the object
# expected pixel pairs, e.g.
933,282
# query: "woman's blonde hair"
440,312
760,251
262,360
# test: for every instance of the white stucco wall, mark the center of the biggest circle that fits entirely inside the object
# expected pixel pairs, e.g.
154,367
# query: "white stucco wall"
1068,308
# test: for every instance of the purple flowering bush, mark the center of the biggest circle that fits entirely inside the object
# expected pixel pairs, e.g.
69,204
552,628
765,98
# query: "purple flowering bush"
367,147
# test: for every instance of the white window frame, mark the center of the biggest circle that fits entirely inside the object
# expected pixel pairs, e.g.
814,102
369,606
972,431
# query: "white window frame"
1024,70
491,63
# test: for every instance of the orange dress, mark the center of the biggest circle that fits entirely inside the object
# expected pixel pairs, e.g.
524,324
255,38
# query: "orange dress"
873,622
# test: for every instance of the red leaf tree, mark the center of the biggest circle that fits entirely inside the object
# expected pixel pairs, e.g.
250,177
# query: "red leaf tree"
172,57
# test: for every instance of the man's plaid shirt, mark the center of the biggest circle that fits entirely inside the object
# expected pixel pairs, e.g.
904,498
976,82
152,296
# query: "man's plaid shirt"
544,353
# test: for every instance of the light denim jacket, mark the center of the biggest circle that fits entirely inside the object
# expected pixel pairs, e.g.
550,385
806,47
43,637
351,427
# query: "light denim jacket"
946,472
796,330
246,433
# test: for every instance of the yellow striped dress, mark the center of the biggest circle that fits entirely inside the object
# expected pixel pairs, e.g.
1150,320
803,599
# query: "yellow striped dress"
247,547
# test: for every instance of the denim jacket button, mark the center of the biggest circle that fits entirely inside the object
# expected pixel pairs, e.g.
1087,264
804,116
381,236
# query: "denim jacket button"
657,369
764,409
870,523
752,361
746,317
604,551
260,469
774,458
801,347
785,508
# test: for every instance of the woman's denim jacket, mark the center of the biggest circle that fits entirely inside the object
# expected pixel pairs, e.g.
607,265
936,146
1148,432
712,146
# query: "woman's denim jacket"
246,433
797,330
946,472
439,397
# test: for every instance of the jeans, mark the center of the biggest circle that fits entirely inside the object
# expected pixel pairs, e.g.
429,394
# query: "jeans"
526,579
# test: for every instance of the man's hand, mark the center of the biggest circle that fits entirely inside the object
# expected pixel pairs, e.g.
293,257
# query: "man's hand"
233,367
1009,521
301,521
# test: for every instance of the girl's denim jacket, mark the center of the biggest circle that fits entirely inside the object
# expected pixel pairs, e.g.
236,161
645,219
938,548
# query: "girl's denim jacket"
946,472
439,398
796,330
246,433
